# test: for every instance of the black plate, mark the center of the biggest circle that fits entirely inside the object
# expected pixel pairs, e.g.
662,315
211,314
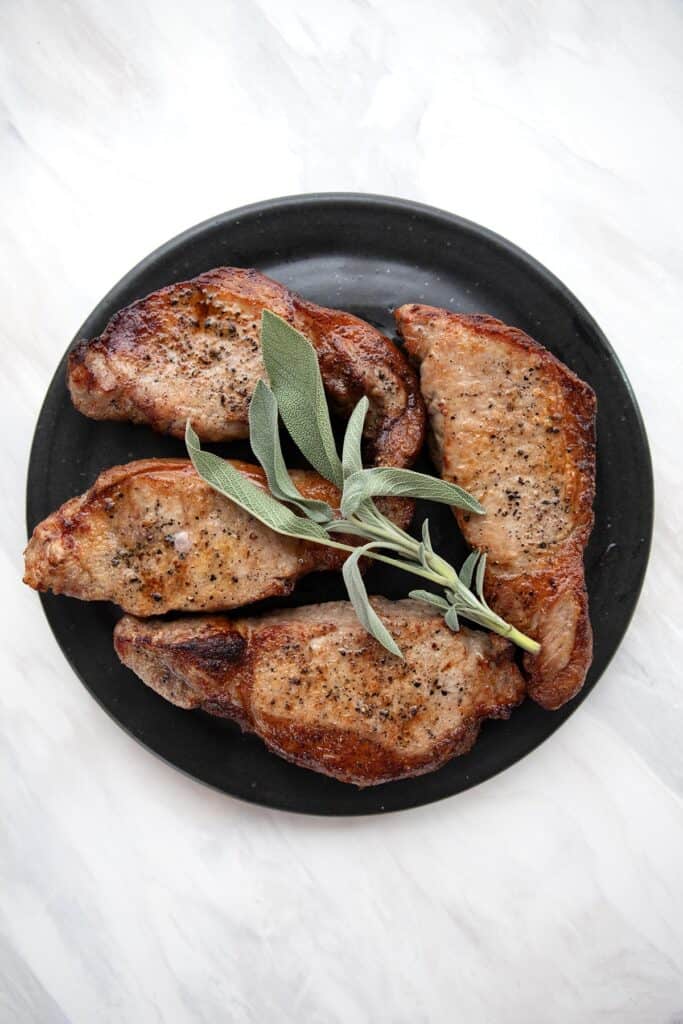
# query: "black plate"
366,254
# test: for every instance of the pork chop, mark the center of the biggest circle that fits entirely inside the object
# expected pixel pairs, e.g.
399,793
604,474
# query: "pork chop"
192,351
153,537
321,692
512,425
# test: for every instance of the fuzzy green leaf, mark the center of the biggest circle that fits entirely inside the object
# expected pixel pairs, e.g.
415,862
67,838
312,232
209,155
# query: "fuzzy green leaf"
294,374
451,619
342,526
352,461
426,538
468,569
427,597
358,596
265,441
390,482
479,580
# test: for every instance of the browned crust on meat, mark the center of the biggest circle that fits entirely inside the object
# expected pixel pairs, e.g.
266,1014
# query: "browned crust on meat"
196,325
219,665
549,602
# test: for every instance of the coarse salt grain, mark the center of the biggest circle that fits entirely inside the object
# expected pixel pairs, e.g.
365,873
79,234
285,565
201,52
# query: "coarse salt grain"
182,542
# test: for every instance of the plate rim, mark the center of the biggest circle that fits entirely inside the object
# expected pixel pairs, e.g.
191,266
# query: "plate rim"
457,222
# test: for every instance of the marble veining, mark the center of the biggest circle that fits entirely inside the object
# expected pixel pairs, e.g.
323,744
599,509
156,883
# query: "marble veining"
554,892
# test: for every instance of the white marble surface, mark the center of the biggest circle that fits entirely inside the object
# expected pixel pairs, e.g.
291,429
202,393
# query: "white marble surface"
553,893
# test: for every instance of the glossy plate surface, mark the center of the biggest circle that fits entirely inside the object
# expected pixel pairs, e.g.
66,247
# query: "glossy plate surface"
365,254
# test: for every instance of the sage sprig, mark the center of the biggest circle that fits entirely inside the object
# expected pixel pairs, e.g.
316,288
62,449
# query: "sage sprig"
297,396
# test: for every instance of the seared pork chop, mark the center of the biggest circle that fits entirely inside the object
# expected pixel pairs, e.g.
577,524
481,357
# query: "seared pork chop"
512,425
323,693
192,351
153,537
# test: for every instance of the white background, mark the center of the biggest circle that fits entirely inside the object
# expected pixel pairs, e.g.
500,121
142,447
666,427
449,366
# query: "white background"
552,893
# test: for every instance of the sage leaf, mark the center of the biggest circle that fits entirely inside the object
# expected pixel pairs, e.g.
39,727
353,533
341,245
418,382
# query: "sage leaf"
294,374
342,526
358,597
352,461
234,485
427,597
426,538
479,580
451,618
390,482
265,441
467,570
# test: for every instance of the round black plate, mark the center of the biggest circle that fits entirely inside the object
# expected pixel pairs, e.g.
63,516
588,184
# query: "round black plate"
366,254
